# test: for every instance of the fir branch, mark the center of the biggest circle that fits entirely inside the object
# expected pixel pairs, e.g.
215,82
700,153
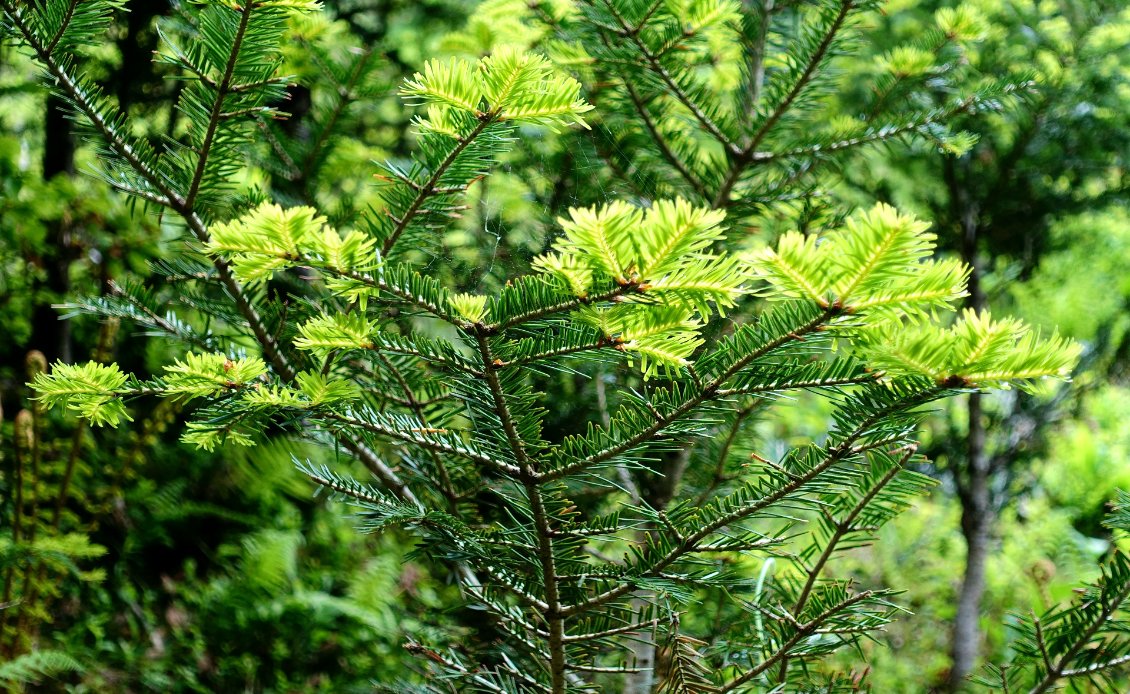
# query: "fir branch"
71,5
557,308
345,92
810,69
834,454
709,392
83,101
182,205
418,409
379,424
661,142
1080,641
755,50
1096,667
396,290
478,676
843,527
677,91
615,631
217,113
801,632
120,144
425,191
801,385
880,134
744,154
558,352
723,457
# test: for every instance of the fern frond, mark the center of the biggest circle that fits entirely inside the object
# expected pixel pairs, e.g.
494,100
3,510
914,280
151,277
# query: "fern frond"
33,668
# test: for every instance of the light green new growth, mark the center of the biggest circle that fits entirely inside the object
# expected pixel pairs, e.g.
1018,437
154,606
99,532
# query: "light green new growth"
323,334
974,351
880,260
269,239
204,375
661,283
509,85
880,265
659,258
90,389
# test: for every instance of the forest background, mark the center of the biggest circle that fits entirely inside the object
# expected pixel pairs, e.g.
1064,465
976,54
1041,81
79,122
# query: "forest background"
222,571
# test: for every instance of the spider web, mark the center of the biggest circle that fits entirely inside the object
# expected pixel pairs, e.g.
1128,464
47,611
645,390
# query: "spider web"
586,182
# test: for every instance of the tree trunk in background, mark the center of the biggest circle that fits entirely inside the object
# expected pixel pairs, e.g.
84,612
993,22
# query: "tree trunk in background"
49,334
971,475
976,526
657,490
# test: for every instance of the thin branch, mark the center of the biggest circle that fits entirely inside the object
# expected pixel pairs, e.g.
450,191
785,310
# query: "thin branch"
217,113
120,145
709,392
475,676
657,67
1042,644
834,455
719,475
563,307
1056,673
345,92
661,142
63,27
879,134
413,404
843,527
560,352
803,631
846,6
429,186
800,385
1097,667
422,441
746,154
626,629
401,294
756,53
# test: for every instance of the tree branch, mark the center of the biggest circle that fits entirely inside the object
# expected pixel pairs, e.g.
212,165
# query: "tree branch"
426,190
843,527
657,67
217,113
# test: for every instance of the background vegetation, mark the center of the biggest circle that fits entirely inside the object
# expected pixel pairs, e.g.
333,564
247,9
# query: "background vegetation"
163,567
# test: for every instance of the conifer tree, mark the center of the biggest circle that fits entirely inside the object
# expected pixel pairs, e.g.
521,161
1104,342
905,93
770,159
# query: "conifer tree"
579,545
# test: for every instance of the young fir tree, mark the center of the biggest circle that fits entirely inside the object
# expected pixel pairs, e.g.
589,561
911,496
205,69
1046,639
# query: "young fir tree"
591,551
